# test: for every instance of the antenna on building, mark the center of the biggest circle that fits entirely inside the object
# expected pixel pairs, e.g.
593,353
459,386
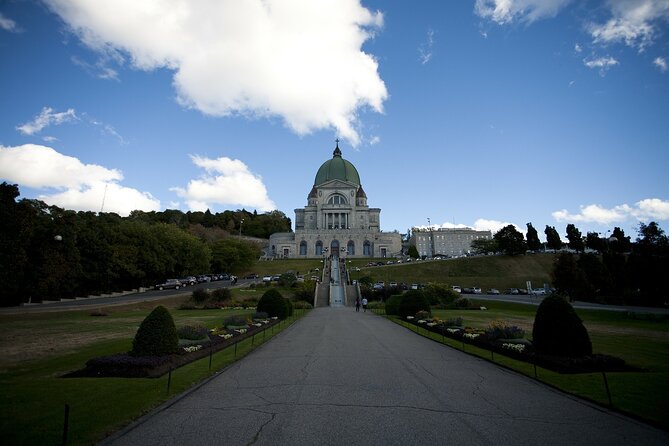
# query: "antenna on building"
103,199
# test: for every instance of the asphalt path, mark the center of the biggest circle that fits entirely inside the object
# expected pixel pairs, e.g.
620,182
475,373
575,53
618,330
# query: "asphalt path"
338,377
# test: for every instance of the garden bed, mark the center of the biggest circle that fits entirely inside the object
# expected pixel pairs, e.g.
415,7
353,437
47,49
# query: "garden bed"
125,365
522,350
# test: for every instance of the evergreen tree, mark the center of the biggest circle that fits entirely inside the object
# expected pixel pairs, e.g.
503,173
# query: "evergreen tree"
510,241
552,238
575,238
533,243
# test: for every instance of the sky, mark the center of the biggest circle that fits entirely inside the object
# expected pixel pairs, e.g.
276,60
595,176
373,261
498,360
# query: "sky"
476,113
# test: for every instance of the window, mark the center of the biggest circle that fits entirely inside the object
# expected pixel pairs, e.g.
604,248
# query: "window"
303,248
337,199
350,248
367,249
319,248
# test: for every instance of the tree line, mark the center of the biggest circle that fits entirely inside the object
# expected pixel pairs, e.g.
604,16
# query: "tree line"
604,268
47,252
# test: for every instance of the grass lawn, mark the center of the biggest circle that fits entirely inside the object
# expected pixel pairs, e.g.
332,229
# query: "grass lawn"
34,394
641,343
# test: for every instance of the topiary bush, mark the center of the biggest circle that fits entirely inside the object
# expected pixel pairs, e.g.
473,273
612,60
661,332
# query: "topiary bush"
156,335
192,332
235,321
412,302
393,305
289,306
199,295
558,330
462,302
221,294
273,303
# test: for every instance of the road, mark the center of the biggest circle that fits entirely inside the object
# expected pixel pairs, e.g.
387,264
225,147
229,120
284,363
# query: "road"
338,377
94,302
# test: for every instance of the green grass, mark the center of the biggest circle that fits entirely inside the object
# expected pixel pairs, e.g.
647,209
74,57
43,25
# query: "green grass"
34,394
499,272
641,343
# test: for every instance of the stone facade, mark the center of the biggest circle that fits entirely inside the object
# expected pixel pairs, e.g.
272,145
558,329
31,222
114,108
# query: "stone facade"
446,241
336,220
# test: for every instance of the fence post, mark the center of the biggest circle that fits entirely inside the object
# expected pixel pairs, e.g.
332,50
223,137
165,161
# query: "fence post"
253,338
169,380
66,423
606,384
236,342
211,353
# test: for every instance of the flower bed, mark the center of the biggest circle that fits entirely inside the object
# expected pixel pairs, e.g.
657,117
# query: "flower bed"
125,365
521,349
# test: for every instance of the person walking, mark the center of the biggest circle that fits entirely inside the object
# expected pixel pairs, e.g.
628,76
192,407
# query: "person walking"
364,304
357,304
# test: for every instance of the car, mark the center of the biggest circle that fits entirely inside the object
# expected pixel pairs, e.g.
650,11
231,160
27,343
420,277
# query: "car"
316,278
493,291
414,286
379,285
267,278
170,284
276,278
539,292
188,280
203,278
300,278
476,290
468,290
512,291
251,276
456,288
224,276
356,269
522,291
393,285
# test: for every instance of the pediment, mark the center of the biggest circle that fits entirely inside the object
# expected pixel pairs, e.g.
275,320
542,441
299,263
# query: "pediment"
337,184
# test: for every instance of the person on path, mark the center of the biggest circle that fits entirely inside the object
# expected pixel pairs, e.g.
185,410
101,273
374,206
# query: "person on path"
364,304
357,304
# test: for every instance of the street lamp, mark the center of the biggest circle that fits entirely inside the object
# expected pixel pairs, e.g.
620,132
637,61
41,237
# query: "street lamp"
240,228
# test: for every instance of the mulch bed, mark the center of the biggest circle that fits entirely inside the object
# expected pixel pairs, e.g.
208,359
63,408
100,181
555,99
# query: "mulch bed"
566,365
124,365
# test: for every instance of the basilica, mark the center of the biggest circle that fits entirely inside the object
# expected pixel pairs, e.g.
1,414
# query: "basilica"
337,220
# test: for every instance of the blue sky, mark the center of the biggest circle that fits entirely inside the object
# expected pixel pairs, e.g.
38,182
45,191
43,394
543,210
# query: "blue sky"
467,113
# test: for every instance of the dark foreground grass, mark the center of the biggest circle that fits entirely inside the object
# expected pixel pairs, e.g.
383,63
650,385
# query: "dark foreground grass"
35,395
641,343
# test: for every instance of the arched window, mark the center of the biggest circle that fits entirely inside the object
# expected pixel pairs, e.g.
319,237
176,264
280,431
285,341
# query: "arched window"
319,248
334,248
303,248
337,199
367,249
350,248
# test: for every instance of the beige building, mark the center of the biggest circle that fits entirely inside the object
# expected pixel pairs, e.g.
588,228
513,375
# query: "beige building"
446,241
336,220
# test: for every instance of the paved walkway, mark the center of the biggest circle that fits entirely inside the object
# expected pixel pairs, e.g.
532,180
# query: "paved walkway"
338,377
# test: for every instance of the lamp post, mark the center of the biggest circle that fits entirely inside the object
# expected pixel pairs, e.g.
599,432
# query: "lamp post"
240,228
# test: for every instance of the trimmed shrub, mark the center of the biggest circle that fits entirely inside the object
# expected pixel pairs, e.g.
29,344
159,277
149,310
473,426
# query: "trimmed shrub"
302,305
273,303
393,305
462,302
558,330
221,294
502,330
423,315
192,332
412,302
156,335
200,295
289,306
235,321
187,306
260,315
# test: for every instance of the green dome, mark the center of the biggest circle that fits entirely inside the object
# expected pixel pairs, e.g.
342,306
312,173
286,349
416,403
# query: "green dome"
337,169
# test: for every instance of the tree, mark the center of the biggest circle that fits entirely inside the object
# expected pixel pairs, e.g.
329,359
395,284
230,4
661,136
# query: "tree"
618,242
575,238
552,238
533,243
570,280
413,252
484,246
595,242
157,334
558,330
510,241
233,255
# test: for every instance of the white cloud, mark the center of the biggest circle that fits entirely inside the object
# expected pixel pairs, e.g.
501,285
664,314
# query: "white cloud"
644,210
577,48
83,186
660,63
602,63
480,224
633,22
425,49
46,118
300,60
225,182
374,140
508,11
8,25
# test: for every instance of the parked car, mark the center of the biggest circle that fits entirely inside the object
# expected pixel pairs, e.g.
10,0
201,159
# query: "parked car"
414,286
539,292
512,291
379,285
267,278
170,284
468,290
456,288
493,291
393,285
251,276
188,280
203,278
476,290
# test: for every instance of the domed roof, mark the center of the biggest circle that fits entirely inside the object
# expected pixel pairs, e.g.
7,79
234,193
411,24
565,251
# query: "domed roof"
337,168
